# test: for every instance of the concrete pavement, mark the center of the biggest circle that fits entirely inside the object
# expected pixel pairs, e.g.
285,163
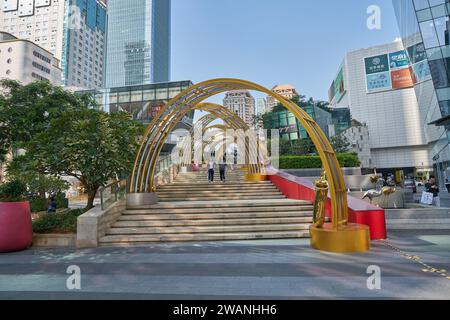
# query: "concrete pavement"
266,269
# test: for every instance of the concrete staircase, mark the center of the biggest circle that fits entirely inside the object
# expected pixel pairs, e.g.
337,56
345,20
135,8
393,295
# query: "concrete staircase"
192,209
418,219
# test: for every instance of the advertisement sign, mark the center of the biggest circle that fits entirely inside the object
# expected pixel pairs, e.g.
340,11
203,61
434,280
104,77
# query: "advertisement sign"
377,64
331,92
417,53
339,87
379,81
421,71
398,59
402,78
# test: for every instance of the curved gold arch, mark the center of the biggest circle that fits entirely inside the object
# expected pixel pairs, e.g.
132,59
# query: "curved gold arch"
337,236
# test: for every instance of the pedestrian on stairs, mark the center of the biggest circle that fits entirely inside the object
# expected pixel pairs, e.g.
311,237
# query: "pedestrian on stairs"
211,170
222,169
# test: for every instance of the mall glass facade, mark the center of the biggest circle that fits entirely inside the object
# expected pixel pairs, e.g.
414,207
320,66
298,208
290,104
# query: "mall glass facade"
426,24
142,102
138,44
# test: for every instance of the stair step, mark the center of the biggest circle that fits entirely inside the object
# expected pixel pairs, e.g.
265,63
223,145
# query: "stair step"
237,210
212,216
208,229
224,198
222,204
142,239
212,222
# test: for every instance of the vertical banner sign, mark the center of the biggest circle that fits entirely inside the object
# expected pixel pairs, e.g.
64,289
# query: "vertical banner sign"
339,86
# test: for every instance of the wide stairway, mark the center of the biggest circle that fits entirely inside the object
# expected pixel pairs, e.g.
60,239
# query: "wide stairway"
192,209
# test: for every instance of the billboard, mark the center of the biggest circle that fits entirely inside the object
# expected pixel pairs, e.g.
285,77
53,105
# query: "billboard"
377,64
397,70
398,59
339,86
421,71
378,81
417,53
402,78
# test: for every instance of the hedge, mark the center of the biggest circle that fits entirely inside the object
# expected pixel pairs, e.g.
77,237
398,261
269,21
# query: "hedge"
348,160
41,204
62,222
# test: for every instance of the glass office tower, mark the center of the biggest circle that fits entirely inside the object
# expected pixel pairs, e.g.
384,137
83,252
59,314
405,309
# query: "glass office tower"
138,44
425,29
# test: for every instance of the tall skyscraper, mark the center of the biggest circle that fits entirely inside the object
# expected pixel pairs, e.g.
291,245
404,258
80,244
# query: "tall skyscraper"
72,30
242,103
138,46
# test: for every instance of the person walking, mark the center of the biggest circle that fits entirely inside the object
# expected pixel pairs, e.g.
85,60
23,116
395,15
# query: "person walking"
211,171
431,187
222,169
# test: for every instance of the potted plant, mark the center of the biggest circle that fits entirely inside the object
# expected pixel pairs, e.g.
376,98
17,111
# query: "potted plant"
16,230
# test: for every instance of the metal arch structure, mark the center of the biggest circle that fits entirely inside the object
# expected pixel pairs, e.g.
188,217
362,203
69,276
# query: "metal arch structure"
141,180
339,236
216,112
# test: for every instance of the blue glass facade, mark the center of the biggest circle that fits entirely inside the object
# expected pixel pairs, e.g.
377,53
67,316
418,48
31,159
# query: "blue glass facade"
426,24
138,45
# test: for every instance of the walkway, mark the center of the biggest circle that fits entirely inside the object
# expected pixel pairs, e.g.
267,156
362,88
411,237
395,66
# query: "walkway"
286,269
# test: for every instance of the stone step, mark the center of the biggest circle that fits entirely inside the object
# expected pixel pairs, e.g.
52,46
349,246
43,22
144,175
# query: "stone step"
418,224
145,239
208,229
212,222
218,194
238,210
212,187
222,204
212,216
221,198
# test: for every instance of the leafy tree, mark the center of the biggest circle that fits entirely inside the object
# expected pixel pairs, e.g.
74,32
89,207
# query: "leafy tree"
22,169
340,144
88,144
28,109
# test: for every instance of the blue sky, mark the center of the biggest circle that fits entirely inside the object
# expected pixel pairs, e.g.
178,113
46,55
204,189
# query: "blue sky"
301,42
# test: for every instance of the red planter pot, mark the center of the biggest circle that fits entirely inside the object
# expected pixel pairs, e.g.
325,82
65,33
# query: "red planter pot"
16,229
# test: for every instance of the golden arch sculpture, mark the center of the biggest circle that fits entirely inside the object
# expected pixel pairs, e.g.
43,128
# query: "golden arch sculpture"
337,236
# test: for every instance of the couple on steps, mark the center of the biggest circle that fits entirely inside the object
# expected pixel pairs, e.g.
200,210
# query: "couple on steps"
222,169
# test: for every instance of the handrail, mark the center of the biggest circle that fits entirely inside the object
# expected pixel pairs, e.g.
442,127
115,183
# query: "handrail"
117,189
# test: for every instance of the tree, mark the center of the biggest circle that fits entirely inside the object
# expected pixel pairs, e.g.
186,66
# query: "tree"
88,144
340,144
28,109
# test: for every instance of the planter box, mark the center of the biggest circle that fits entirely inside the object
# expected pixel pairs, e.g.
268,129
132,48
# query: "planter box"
16,229
54,240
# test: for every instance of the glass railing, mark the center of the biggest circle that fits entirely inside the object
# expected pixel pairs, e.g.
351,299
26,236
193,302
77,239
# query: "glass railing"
116,190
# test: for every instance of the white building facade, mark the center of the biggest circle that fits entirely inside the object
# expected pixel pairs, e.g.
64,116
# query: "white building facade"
242,103
384,89
74,31
359,139
24,61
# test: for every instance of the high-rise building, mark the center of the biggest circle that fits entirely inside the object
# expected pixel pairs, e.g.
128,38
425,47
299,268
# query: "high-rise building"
377,84
287,91
25,61
138,46
425,30
72,30
242,103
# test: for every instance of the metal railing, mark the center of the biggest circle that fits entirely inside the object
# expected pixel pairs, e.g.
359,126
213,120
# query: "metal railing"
112,193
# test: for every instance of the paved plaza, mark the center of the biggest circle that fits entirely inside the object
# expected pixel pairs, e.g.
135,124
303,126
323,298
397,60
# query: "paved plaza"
275,269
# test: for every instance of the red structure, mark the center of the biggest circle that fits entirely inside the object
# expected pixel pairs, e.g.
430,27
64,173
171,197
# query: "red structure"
16,230
359,211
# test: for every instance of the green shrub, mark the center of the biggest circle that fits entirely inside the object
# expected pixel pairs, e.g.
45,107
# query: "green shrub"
347,160
62,222
38,204
61,201
13,191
